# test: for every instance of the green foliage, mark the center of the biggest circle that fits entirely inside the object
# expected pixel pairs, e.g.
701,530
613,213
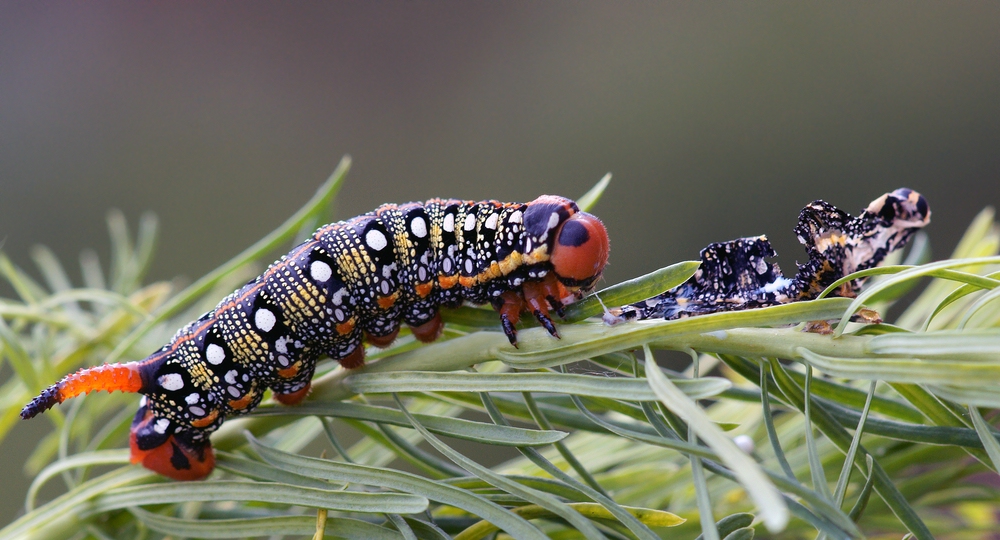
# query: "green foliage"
872,430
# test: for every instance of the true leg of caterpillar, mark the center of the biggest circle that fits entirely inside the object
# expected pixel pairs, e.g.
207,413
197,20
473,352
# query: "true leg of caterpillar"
537,295
430,330
510,305
556,306
109,377
294,398
546,323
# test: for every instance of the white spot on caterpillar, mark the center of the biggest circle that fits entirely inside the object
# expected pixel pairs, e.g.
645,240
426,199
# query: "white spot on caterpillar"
283,360
281,344
264,319
214,354
171,381
468,266
338,297
422,274
320,271
376,240
231,376
196,410
192,398
553,220
515,217
233,391
470,222
384,287
419,227
449,223
161,426
491,222
446,266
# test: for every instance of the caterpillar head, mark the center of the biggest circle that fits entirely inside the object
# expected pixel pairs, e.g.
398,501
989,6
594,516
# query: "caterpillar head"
580,251
577,242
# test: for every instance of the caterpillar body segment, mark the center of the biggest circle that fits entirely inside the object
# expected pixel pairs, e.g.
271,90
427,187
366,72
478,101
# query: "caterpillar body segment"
352,281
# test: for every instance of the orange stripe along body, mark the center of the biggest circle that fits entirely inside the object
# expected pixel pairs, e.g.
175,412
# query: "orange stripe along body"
352,280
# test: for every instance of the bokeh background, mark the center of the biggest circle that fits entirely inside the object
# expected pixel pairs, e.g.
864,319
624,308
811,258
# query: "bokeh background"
717,120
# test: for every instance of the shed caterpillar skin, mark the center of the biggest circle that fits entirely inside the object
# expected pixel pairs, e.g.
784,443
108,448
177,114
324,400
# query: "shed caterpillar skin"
735,275
352,280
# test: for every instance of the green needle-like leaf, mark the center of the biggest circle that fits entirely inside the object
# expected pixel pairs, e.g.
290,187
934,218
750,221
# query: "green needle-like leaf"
400,481
631,291
581,385
224,490
772,507
588,200
269,526
542,499
452,427
652,518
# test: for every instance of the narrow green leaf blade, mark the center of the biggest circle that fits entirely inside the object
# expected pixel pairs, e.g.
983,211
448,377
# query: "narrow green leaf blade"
986,435
772,507
633,290
227,490
400,481
453,427
628,389
339,527
588,200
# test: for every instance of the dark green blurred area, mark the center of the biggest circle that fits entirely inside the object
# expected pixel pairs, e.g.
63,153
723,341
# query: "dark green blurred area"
717,121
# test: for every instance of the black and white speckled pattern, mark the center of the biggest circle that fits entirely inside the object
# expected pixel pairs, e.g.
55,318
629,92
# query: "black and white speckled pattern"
366,275
735,275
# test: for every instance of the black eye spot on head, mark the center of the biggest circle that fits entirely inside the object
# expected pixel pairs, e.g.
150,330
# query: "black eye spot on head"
573,234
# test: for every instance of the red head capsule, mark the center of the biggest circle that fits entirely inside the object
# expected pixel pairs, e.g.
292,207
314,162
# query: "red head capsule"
581,250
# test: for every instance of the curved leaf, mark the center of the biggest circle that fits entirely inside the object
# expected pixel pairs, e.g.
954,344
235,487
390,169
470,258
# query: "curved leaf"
226,490
629,389
340,527
452,427
400,481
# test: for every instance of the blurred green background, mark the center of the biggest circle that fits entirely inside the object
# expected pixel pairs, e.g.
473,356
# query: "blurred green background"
717,120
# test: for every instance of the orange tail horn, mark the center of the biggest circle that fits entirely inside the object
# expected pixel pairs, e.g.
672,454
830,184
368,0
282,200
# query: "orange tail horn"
109,377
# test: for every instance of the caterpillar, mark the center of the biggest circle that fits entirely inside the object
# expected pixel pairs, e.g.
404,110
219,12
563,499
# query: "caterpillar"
351,281
734,275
